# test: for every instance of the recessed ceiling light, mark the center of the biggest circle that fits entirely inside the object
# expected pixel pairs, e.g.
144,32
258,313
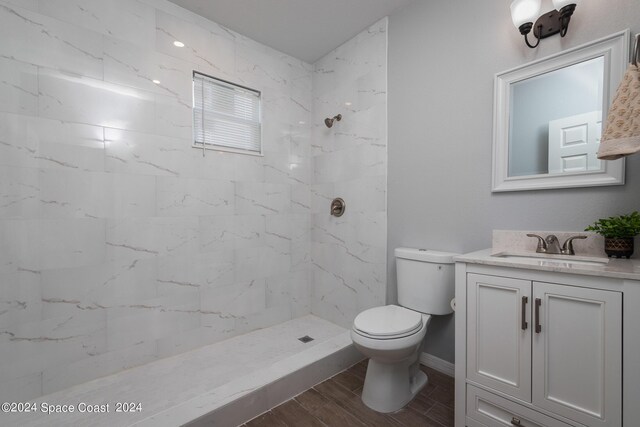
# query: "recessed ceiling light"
348,104
178,43
156,81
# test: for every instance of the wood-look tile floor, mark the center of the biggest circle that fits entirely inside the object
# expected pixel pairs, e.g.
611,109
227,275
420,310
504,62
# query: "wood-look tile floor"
337,403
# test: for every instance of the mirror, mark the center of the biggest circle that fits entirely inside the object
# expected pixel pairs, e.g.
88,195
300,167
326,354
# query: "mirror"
562,136
548,118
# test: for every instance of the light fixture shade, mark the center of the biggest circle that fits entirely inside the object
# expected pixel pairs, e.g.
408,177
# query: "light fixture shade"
523,11
559,4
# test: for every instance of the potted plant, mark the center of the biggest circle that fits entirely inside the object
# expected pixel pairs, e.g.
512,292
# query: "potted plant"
618,232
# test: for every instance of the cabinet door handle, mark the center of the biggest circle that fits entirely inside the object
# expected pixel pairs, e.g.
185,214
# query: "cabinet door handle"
538,304
516,422
524,323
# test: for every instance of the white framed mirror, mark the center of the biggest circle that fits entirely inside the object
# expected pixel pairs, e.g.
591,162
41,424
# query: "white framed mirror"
548,117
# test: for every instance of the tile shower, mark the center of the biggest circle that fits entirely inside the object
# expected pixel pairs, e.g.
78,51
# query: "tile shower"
120,244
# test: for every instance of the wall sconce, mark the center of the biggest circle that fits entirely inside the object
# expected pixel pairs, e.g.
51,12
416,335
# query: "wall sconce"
524,12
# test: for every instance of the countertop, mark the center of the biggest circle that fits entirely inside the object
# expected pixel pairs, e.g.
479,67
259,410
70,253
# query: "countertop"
615,268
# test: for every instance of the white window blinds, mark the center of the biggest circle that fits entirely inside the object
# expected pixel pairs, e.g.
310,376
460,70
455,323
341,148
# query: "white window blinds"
225,116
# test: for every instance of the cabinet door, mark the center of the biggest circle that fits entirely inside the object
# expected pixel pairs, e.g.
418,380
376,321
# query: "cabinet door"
577,353
499,334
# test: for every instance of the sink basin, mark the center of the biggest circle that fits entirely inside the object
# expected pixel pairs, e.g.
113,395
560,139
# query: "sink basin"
545,259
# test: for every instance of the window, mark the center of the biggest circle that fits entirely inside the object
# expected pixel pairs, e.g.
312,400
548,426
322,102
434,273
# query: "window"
225,116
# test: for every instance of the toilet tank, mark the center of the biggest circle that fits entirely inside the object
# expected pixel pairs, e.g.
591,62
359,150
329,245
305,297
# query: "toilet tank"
425,280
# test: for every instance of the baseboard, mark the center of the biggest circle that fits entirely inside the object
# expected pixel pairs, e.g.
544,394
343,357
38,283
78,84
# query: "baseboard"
438,364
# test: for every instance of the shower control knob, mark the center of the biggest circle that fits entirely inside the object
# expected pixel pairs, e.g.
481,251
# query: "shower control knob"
337,207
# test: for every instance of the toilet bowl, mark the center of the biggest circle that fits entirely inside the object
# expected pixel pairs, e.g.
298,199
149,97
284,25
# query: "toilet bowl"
392,336
393,375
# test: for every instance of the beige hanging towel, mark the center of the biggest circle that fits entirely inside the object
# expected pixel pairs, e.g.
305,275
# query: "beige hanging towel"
621,135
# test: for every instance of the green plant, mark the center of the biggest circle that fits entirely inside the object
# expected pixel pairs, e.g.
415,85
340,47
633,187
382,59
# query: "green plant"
617,226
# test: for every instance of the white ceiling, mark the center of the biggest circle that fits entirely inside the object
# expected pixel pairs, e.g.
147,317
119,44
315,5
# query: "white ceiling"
305,29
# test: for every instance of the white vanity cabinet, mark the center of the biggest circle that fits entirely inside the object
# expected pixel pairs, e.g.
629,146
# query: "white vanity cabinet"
545,348
556,346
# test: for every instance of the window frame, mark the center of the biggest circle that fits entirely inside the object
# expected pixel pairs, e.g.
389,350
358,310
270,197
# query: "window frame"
213,147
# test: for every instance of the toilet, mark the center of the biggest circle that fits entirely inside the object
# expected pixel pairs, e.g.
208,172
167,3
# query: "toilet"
392,336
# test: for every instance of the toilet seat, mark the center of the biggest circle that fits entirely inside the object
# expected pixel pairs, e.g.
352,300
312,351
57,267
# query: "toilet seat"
388,322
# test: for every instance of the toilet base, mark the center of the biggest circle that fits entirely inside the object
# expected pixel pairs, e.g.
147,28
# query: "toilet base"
388,387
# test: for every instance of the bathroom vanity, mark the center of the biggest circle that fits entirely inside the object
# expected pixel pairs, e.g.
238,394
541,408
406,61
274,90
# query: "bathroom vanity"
547,342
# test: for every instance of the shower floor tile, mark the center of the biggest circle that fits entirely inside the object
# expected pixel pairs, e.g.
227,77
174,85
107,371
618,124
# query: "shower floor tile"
204,374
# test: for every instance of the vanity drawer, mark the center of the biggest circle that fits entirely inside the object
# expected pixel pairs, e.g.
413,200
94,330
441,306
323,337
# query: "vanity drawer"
485,409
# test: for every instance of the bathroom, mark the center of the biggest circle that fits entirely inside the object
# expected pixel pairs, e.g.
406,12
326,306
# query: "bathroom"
139,264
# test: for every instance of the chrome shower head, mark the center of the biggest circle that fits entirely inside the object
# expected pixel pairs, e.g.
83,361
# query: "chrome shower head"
329,122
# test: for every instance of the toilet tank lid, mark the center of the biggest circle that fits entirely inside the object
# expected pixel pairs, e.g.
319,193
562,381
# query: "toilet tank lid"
425,255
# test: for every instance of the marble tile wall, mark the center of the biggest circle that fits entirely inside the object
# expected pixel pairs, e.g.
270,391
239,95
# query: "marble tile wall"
348,254
119,242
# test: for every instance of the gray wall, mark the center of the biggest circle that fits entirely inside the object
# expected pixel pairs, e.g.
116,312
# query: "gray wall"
443,56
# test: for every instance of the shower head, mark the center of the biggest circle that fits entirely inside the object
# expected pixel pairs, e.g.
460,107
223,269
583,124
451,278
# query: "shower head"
329,122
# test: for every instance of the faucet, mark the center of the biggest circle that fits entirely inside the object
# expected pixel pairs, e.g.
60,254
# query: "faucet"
551,244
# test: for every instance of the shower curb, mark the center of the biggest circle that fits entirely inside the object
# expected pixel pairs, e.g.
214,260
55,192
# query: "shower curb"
249,396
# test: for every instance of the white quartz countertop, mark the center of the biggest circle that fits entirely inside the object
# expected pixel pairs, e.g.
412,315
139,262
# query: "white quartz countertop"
615,268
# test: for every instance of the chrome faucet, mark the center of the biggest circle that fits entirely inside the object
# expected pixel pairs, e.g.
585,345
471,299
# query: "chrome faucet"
551,244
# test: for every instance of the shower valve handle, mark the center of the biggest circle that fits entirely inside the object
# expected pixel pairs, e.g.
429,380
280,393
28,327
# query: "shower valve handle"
337,207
